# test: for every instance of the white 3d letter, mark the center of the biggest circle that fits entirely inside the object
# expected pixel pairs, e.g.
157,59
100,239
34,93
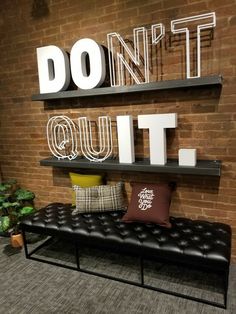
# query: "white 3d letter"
156,38
105,139
184,29
157,125
119,59
125,139
139,35
62,138
53,69
97,69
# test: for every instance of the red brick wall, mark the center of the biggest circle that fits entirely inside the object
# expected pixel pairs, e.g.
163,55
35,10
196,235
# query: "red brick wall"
206,116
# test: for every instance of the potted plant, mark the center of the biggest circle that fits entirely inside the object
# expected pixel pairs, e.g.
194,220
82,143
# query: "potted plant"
24,199
7,204
16,216
15,203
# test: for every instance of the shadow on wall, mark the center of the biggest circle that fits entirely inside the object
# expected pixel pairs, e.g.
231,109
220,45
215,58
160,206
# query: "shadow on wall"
39,9
199,95
188,184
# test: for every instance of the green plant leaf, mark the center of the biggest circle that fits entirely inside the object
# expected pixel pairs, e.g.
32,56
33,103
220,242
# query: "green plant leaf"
11,181
10,205
24,195
26,210
2,198
14,213
4,187
5,223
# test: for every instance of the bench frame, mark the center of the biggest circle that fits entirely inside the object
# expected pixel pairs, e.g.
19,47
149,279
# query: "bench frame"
223,273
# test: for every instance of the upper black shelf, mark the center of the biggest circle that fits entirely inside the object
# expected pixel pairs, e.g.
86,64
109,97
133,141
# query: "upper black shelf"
203,167
161,85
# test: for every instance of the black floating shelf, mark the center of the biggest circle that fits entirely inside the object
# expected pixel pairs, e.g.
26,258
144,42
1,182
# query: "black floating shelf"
161,85
203,167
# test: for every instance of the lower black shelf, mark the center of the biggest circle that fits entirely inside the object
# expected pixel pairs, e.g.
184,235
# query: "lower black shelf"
203,167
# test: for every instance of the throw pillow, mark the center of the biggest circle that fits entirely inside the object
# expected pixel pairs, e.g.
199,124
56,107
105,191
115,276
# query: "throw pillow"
149,203
84,181
99,198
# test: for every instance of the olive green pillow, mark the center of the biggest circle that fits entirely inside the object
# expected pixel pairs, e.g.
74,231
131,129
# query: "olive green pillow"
84,181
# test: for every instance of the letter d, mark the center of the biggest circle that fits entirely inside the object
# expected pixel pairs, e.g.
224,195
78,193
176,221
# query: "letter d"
53,69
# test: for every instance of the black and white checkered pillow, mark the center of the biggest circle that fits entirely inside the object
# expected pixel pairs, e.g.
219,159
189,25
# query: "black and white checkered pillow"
99,198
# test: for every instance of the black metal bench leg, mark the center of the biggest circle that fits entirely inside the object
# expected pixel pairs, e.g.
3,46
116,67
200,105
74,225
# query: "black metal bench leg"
25,244
77,255
141,271
226,284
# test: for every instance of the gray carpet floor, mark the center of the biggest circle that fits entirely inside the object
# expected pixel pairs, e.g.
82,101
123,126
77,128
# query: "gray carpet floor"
28,286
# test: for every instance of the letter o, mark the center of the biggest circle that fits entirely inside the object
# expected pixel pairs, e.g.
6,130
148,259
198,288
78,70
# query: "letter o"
79,51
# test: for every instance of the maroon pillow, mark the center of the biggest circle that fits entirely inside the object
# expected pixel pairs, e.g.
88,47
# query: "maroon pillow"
149,203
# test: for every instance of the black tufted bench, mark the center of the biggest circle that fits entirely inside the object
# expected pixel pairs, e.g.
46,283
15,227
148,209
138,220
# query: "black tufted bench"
197,244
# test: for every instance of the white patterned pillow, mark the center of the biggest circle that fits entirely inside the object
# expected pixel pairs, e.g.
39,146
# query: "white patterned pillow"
99,198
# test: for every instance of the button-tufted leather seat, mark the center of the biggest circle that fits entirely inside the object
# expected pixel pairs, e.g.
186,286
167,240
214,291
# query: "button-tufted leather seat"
193,242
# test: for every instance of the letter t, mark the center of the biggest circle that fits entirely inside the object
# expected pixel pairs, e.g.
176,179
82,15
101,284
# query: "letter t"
157,125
